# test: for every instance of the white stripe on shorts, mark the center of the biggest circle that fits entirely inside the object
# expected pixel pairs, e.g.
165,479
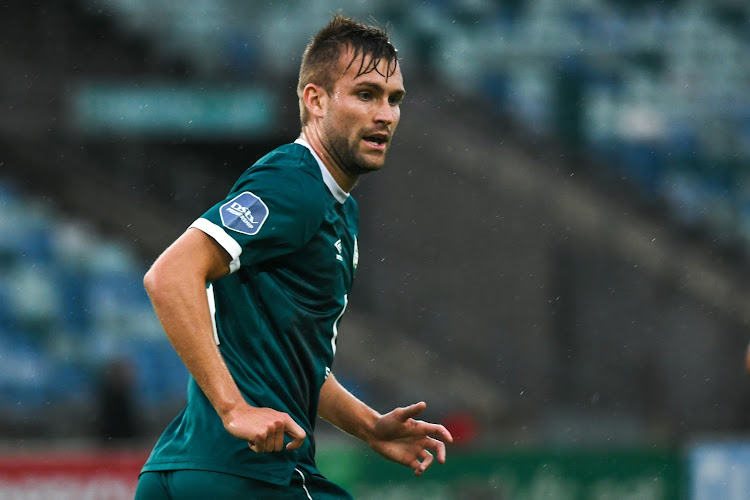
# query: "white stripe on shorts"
303,484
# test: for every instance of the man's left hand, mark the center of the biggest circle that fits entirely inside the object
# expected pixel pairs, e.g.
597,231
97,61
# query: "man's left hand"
399,437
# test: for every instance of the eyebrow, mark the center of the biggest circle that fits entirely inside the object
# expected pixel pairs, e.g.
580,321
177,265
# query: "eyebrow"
399,92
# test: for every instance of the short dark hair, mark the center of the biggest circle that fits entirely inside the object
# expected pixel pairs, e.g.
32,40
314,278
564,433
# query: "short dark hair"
320,60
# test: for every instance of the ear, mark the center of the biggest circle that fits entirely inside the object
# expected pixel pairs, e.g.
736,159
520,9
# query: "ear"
315,99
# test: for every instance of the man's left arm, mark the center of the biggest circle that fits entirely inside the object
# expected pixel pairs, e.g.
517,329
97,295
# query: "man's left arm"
396,435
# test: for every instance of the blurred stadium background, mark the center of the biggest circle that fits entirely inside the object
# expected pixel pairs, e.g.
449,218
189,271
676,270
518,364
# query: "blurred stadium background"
555,258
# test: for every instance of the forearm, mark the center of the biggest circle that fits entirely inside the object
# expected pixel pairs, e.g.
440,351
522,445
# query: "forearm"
396,435
342,409
184,315
176,285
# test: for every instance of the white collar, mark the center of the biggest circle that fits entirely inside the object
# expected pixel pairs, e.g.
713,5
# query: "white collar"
333,186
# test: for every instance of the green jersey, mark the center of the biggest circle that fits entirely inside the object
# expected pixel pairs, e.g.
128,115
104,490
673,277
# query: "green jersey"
291,232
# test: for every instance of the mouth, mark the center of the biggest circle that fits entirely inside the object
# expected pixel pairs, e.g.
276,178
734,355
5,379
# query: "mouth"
377,140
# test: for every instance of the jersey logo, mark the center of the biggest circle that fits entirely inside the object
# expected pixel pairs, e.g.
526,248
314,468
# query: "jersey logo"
245,213
339,249
355,257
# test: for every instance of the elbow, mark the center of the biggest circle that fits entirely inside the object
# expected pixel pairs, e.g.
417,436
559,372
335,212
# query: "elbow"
149,281
167,277
153,280
160,283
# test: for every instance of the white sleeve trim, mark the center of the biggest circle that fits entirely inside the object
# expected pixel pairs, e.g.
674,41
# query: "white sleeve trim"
222,238
212,310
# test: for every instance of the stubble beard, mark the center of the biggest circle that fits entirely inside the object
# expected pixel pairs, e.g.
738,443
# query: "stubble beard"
347,155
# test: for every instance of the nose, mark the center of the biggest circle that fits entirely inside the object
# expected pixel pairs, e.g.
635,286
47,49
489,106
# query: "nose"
386,113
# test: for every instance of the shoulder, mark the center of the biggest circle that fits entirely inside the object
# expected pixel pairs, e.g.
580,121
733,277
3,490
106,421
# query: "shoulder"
288,154
290,161
288,182
287,172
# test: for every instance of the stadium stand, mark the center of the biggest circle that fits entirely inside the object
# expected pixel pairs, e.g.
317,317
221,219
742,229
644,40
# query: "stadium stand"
590,145
73,302
658,85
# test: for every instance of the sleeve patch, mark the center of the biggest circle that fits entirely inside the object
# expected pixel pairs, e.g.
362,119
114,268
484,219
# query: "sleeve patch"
245,213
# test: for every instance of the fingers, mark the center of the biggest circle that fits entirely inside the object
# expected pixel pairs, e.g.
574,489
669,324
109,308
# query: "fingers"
272,439
295,444
439,448
257,447
278,436
410,411
422,463
297,433
258,444
426,428
424,458
435,430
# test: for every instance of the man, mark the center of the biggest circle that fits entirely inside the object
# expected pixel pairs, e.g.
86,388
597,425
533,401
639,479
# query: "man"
278,256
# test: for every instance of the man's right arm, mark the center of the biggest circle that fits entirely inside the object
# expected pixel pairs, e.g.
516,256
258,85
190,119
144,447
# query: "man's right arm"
176,285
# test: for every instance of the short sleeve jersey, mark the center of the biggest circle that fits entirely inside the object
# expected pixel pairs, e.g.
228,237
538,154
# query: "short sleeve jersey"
291,232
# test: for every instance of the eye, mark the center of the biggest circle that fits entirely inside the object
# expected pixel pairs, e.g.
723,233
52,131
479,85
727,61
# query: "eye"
365,95
394,100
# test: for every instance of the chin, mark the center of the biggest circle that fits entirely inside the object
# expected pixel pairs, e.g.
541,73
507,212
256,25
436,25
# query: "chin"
366,169
368,164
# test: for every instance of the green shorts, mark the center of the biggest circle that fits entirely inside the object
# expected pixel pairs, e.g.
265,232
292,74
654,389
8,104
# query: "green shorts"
202,485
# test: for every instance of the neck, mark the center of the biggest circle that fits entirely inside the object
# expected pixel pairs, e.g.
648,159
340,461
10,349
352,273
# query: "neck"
343,179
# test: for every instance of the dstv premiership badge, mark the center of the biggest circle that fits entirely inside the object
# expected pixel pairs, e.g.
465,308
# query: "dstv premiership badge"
245,213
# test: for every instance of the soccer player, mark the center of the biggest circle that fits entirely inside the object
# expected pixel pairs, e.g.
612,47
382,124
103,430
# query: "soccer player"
252,293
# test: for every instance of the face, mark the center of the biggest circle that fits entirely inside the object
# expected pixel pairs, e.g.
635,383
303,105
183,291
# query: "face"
361,115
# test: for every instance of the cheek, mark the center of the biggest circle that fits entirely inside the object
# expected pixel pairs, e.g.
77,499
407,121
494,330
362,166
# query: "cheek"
350,123
396,116
341,116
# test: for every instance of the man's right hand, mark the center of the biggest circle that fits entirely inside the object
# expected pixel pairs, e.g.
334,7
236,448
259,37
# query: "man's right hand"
264,428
